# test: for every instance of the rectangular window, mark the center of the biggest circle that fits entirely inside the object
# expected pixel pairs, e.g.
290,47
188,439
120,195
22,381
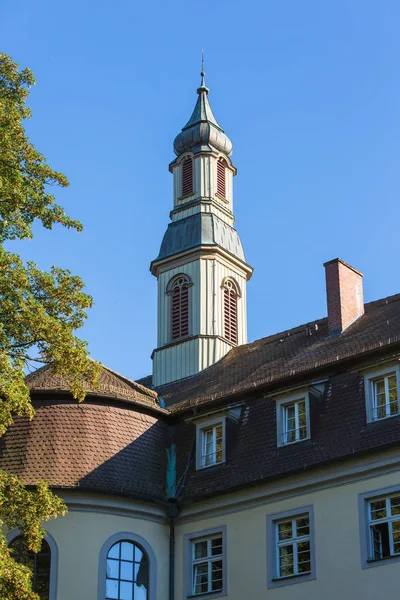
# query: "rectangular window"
293,546
293,419
207,565
210,442
291,552
384,526
385,396
212,445
382,392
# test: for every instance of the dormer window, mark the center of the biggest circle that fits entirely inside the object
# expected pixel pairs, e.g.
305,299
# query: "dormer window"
293,418
187,177
179,291
210,443
231,293
382,393
221,178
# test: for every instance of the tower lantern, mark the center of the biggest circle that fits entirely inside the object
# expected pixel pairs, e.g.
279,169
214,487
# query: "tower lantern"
201,268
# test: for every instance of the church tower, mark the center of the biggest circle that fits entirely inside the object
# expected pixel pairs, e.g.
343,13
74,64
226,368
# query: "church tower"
201,268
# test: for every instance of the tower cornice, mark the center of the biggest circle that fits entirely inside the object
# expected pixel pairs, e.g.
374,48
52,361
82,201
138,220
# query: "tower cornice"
203,251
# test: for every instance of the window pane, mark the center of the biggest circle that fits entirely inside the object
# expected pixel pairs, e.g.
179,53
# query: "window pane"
216,546
200,577
303,526
285,530
127,571
127,551
380,386
139,592
114,551
112,568
125,590
216,575
139,555
200,549
111,589
378,509
395,505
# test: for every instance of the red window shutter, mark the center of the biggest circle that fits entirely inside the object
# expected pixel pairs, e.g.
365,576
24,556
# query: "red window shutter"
187,177
180,310
221,176
230,315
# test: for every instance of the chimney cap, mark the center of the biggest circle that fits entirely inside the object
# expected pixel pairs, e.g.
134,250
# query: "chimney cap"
339,260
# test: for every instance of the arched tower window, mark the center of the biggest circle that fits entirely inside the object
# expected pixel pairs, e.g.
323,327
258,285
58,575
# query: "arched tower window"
179,290
127,574
187,177
221,178
231,294
38,562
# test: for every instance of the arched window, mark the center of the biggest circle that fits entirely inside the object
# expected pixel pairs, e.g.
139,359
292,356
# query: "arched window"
230,311
127,574
187,177
39,563
179,290
221,178
127,568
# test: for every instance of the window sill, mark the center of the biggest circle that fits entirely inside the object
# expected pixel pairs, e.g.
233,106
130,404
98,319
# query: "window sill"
222,198
218,464
288,444
383,419
382,560
291,576
291,579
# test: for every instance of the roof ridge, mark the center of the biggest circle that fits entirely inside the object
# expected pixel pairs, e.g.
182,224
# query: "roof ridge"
146,390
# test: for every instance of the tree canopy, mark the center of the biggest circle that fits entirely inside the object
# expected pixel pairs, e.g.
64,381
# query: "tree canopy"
39,313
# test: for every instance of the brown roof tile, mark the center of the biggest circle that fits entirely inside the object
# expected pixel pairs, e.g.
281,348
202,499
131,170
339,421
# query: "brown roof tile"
91,446
293,352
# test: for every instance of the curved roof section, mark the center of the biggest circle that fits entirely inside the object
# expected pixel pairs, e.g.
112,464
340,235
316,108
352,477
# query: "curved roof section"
198,230
111,385
202,133
89,446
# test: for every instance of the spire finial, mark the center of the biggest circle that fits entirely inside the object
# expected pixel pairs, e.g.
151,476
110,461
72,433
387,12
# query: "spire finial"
202,87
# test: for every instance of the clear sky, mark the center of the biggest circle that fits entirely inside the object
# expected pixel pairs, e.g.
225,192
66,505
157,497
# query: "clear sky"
309,93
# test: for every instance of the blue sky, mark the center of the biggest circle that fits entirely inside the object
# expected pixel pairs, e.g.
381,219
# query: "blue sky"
309,93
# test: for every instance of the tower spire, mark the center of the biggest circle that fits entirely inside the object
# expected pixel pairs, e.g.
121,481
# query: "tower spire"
203,87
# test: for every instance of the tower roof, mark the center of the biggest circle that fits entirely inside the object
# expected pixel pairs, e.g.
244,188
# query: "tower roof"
202,133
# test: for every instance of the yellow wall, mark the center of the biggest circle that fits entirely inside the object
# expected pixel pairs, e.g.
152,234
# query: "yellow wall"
337,543
80,537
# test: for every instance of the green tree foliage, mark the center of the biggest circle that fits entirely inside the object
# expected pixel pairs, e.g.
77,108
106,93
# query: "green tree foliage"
39,312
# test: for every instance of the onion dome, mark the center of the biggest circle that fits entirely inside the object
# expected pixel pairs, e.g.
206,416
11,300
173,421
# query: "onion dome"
202,133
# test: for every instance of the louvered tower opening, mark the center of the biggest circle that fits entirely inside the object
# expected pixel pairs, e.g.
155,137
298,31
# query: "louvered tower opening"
180,309
187,177
221,178
230,312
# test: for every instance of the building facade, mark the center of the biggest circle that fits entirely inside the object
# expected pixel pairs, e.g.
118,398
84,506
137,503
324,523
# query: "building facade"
242,470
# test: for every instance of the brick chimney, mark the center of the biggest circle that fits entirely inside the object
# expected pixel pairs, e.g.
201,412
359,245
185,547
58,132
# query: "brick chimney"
344,294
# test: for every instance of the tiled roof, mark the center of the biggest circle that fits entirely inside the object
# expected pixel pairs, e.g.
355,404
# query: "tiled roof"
111,385
97,447
338,430
290,353
115,441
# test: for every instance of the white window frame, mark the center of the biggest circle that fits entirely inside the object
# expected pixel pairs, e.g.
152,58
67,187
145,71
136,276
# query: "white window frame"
201,429
282,405
273,545
366,526
370,379
189,545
